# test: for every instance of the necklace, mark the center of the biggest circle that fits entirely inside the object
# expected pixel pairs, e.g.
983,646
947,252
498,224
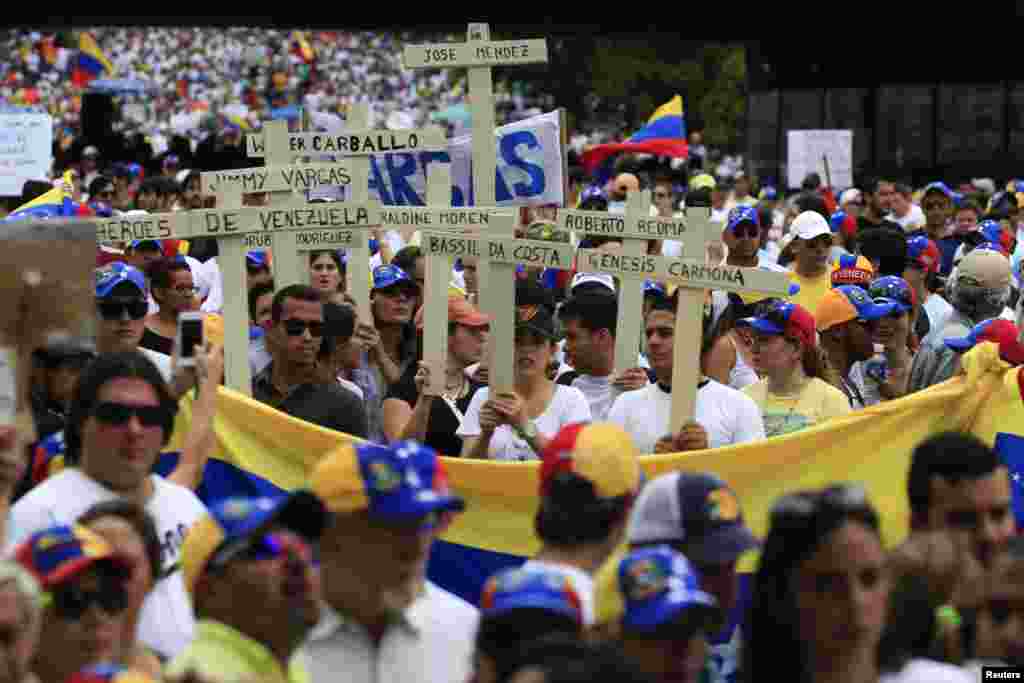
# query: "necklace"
451,393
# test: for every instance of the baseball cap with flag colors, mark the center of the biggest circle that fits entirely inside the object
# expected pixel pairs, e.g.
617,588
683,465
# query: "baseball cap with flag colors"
852,270
742,214
400,483
109,673
995,330
600,452
59,554
844,223
232,522
530,587
113,274
923,253
895,290
791,320
849,302
658,584
697,509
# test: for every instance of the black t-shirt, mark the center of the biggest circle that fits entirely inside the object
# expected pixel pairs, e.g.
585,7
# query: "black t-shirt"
154,342
863,223
442,423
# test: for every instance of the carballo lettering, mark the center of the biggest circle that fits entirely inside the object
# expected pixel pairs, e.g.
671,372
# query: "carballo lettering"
362,143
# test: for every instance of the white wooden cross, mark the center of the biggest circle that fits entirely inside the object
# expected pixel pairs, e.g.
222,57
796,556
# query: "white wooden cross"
231,224
504,254
440,218
635,228
357,142
479,55
693,276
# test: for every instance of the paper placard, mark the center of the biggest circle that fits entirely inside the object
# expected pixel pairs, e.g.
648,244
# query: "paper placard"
806,152
26,150
477,53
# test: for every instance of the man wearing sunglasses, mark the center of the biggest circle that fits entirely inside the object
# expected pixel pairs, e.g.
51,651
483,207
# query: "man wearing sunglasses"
382,620
122,306
84,598
291,382
813,244
249,569
122,415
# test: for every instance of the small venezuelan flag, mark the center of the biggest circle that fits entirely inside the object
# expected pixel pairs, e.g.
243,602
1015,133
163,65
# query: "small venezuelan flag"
664,135
56,203
91,62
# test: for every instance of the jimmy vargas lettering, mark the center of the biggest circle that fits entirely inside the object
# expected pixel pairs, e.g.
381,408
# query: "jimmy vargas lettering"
277,179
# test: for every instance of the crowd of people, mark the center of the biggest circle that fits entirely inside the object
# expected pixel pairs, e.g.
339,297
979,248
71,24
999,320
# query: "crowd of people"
113,555
891,286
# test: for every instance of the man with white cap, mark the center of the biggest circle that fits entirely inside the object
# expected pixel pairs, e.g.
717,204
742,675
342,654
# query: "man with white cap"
978,289
812,242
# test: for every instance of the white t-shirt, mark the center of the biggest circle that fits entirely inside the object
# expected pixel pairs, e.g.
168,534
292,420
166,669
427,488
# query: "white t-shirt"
912,221
729,416
214,285
161,360
599,392
166,622
928,671
567,405
582,582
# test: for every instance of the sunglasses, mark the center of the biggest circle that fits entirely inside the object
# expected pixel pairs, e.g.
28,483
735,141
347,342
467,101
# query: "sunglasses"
71,602
267,546
805,504
115,310
295,328
118,414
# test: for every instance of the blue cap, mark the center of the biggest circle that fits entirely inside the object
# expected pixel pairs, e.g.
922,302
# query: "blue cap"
768,192
938,186
866,308
743,214
531,588
113,274
893,290
391,276
238,519
657,585
652,287
996,330
135,244
256,259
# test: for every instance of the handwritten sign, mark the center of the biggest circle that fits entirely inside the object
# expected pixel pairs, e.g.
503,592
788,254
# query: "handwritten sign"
685,272
482,53
355,143
277,178
502,250
26,150
807,150
617,225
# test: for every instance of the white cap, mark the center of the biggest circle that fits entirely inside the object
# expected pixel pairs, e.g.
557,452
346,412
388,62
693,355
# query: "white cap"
851,195
810,224
90,151
598,278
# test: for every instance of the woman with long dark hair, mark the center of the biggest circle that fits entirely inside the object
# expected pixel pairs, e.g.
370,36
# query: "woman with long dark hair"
821,590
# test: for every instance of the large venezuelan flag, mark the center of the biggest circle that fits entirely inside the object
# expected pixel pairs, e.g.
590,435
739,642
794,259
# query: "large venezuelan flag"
56,203
262,451
664,135
91,63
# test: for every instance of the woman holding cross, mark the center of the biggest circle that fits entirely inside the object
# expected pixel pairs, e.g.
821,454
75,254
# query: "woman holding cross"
518,425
